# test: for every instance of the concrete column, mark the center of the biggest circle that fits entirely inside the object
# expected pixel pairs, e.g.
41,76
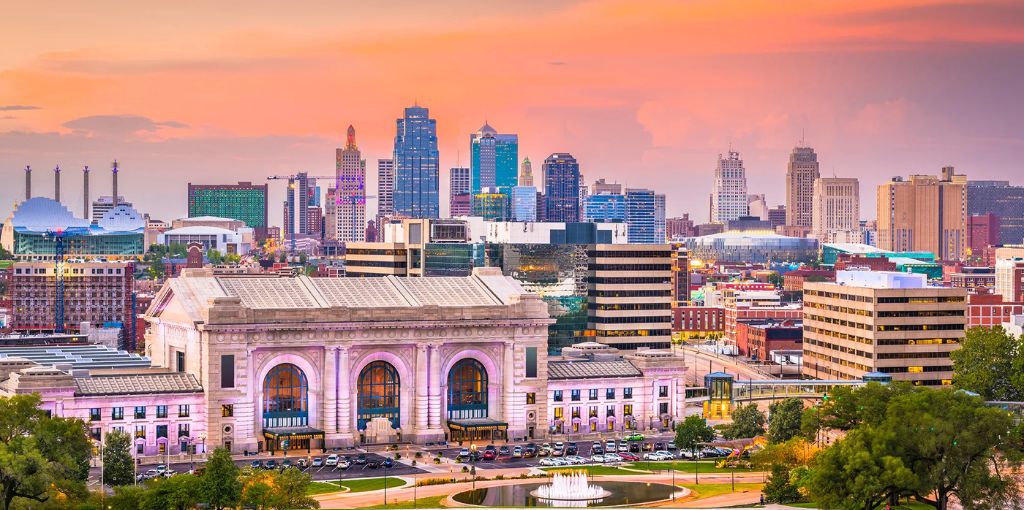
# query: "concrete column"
434,408
508,387
422,401
345,404
330,390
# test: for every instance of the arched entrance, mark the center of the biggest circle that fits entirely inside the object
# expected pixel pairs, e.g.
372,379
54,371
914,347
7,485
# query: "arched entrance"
378,395
468,404
286,409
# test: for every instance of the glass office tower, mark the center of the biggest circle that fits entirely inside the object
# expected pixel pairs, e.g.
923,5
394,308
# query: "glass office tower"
416,165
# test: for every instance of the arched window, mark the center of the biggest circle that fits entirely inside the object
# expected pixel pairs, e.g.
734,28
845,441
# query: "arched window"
467,390
285,397
379,395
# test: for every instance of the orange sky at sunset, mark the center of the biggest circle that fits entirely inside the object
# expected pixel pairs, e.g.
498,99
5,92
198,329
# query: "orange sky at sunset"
645,93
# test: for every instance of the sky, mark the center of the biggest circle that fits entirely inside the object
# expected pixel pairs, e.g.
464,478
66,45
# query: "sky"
647,94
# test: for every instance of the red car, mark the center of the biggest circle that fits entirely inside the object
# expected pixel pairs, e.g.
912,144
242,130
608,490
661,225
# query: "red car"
490,454
629,457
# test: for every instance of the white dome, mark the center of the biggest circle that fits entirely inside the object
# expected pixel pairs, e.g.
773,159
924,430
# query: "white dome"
41,214
122,218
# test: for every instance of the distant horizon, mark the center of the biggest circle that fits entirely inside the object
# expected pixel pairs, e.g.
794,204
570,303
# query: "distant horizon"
647,96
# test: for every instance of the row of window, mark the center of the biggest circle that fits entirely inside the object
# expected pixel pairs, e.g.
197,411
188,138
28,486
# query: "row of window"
117,413
609,411
609,394
140,431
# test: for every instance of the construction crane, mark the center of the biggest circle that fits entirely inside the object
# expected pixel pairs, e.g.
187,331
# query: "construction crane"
354,199
58,267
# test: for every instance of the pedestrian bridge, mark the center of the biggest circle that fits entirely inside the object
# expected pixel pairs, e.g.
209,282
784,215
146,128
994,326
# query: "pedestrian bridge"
750,390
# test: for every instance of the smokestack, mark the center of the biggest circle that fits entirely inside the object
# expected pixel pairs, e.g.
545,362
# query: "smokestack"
56,183
85,180
115,182
28,182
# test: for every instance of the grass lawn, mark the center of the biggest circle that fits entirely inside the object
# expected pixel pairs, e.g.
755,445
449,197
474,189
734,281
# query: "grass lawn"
687,467
708,490
597,470
431,502
369,484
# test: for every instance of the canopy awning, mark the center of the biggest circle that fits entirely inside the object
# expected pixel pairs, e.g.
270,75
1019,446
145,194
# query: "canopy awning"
477,424
293,433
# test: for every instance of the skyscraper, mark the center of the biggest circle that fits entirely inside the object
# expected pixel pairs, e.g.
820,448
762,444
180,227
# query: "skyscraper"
1003,200
836,210
561,188
659,218
524,203
385,187
526,173
800,176
493,159
640,206
605,208
460,182
924,213
298,199
416,165
244,201
600,186
350,191
729,196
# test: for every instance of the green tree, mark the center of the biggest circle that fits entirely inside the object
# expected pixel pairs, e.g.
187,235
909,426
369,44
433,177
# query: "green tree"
40,457
693,431
989,363
290,489
219,486
157,269
793,453
785,419
5,255
178,492
127,497
215,257
859,472
779,488
747,421
118,464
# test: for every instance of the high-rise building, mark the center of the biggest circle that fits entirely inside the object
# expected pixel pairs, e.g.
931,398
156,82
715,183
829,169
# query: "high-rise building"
416,165
524,203
491,205
331,214
600,186
605,208
526,173
244,201
659,218
640,211
385,187
800,176
95,292
777,216
350,191
729,196
561,188
629,290
680,277
678,228
982,232
1010,279
879,321
757,206
299,197
460,184
924,213
836,210
1003,200
493,159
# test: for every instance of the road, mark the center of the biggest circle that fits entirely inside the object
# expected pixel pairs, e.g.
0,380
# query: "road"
701,363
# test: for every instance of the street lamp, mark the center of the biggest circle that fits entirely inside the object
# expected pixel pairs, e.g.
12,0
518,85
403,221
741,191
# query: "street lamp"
385,482
472,463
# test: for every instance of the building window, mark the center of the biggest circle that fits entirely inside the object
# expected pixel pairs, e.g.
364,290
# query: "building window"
467,390
593,394
183,411
531,398
161,411
663,408
609,411
161,431
140,412
627,393
227,371
378,394
117,413
140,432
662,391
593,412
575,395
531,362
183,430
94,414
227,410
559,413
180,361
557,397
96,433
576,412
609,394
627,410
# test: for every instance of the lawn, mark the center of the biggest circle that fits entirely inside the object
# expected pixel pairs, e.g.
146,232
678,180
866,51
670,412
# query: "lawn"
684,466
710,490
368,484
597,470
431,502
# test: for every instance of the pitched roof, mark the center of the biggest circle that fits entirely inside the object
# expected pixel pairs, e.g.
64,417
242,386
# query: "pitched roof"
173,382
591,369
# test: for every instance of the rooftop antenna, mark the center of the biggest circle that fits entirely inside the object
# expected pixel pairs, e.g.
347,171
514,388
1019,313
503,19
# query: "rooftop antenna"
28,182
85,179
802,143
113,168
56,183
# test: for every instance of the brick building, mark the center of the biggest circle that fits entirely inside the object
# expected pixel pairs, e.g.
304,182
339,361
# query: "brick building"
759,338
95,292
733,315
793,281
698,321
986,309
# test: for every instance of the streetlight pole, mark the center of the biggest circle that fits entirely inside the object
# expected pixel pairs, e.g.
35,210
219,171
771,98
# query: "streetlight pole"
385,484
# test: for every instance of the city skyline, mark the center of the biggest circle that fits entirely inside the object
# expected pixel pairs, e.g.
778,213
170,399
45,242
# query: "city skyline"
875,112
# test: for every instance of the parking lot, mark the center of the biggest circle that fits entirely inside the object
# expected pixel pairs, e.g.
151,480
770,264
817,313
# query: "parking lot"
584,449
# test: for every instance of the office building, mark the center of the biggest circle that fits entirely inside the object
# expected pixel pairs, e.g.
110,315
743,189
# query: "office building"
836,210
299,197
660,234
874,321
757,206
680,277
729,196
493,159
678,228
94,292
800,176
331,214
561,188
460,184
777,216
523,203
526,173
629,288
600,186
350,192
491,205
924,213
982,232
640,212
104,204
416,165
1003,200
605,208
385,188
244,201
1010,279
415,247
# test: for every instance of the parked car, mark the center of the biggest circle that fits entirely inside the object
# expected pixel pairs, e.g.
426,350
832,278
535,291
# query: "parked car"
317,462
623,446
388,462
548,461
597,457
629,457
572,449
612,458
504,451
597,449
575,460
160,469
254,464
517,452
345,463
490,454
648,447
636,436
634,447
544,451
361,459
301,464
530,451
152,473
332,460
557,452
270,464
372,464
463,454
659,445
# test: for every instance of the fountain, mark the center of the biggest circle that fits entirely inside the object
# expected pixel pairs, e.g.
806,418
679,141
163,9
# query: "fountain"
568,487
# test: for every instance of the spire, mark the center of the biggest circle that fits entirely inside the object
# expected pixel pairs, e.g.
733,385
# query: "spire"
350,142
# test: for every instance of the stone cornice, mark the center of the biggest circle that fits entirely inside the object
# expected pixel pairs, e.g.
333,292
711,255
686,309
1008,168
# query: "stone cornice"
359,326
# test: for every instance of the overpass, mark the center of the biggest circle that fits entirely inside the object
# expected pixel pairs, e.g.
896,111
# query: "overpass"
750,390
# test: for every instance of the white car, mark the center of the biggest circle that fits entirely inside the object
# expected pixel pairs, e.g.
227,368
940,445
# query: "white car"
611,458
332,460
660,455
575,460
549,461
597,458
344,464
623,447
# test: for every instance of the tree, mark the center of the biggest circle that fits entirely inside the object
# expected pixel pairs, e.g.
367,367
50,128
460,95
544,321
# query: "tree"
178,492
693,431
157,269
859,472
791,454
127,497
747,421
215,257
989,363
5,255
290,488
779,488
219,486
40,456
118,464
785,419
